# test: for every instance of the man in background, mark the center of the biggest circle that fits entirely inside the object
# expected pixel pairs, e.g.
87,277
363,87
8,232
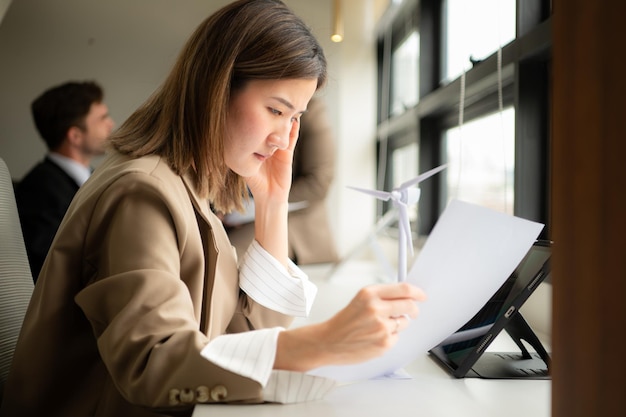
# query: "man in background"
74,122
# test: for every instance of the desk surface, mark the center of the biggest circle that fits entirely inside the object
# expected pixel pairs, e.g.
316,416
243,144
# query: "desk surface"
430,392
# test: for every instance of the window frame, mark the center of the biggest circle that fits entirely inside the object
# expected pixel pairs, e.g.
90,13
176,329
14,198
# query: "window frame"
525,80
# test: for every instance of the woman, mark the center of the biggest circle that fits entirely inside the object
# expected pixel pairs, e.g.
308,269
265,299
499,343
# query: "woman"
140,308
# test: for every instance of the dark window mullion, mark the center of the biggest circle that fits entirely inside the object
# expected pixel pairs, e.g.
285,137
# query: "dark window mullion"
525,84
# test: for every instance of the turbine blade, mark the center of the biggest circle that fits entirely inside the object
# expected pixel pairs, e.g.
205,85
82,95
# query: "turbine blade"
382,195
422,177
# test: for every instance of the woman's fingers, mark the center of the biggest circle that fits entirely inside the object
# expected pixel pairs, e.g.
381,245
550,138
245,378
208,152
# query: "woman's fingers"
402,290
379,310
394,304
391,300
396,325
399,323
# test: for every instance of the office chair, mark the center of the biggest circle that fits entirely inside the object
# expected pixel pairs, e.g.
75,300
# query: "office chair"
16,281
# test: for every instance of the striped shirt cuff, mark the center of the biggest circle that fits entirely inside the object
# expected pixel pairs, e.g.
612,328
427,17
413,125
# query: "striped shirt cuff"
270,284
287,387
251,354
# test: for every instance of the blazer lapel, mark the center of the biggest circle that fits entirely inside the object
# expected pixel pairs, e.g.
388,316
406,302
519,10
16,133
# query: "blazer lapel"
221,281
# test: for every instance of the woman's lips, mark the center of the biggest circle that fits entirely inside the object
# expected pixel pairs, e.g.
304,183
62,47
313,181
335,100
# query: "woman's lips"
261,157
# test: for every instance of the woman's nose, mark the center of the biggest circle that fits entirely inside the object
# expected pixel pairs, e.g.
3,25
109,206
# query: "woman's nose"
280,137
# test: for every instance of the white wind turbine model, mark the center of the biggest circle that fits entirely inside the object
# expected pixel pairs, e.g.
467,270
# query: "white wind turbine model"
402,197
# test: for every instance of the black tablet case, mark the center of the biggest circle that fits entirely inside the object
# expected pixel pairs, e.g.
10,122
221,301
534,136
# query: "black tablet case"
463,353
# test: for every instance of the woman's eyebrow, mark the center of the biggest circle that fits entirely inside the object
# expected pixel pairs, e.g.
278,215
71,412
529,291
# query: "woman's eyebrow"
285,102
288,104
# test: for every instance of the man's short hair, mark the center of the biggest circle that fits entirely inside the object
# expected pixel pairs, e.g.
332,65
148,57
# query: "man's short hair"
62,107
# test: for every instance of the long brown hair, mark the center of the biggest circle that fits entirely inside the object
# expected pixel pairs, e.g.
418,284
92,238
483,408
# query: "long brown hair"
184,120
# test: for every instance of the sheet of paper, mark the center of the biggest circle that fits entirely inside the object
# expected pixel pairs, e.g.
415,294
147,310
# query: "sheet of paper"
468,255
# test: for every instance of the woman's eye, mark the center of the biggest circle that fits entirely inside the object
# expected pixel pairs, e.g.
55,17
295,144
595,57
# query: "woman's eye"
276,112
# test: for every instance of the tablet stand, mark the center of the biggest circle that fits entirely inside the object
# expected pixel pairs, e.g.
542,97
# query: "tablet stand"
513,365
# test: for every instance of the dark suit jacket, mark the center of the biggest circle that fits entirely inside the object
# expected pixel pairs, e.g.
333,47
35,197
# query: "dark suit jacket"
43,196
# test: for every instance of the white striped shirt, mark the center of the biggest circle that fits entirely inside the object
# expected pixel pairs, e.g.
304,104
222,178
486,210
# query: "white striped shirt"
251,354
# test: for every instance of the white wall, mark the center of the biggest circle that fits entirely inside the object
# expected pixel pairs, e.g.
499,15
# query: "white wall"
355,70
128,47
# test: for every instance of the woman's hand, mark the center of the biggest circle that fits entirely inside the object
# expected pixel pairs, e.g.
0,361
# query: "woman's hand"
270,189
366,328
273,180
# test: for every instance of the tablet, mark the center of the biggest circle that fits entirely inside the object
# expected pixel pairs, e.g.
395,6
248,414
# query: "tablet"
463,353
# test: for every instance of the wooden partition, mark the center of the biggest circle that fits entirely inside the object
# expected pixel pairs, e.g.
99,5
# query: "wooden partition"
589,208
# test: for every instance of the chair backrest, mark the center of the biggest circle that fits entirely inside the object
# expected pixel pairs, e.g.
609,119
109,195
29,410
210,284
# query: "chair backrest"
16,281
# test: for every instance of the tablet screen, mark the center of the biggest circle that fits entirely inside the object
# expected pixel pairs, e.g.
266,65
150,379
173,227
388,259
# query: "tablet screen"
526,277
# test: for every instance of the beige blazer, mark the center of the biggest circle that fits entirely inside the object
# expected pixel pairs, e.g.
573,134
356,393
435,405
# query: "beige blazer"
139,278
311,239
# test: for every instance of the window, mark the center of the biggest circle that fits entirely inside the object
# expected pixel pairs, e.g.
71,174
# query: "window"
481,161
481,69
404,163
474,29
405,80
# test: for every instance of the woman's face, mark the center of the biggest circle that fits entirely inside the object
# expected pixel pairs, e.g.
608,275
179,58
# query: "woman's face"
263,115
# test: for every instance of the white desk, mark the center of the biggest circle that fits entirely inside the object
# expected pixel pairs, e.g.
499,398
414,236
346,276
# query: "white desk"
430,393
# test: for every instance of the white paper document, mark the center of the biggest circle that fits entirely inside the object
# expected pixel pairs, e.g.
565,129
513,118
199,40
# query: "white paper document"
468,255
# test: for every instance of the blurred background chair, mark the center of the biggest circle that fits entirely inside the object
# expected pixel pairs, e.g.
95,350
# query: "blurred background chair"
16,281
